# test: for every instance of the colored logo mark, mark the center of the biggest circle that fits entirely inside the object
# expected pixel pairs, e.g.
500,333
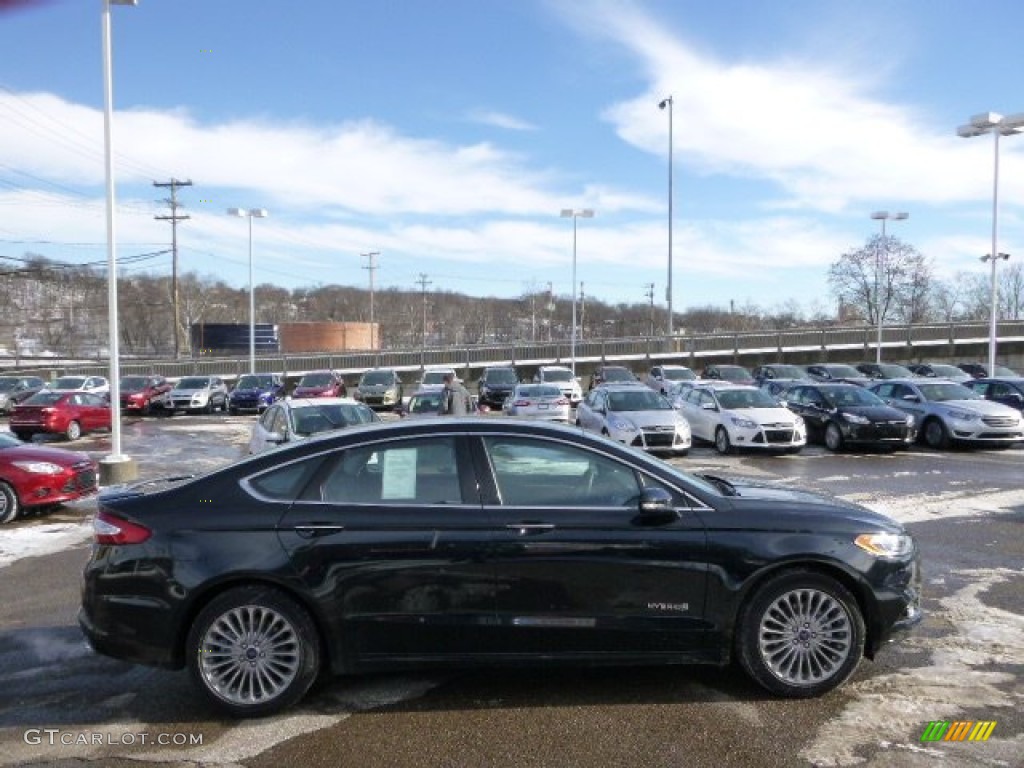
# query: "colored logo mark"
958,730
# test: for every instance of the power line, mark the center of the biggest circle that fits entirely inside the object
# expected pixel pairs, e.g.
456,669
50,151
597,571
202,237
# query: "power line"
174,218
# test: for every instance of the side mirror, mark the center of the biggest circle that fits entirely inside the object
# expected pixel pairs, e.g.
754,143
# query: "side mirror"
708,406
656,507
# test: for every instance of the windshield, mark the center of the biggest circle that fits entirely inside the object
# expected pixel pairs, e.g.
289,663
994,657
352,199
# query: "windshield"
788,372
255,382
733,399
679,374
426,402
325,417
618,374
734,373
940,392
843,372
891,371
69,382
6,385
131,383
45,397
949,372
500,376
638,400
375,378
852,395
193,382
431,378
557,374
315,380
1004,371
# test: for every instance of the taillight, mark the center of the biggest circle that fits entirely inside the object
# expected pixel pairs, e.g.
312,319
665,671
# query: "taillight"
562,401
111,529
521,403
49,411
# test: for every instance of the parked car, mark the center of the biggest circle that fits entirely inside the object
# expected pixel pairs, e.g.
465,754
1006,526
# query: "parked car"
980,371
778,372
939,371
612,374
142,394
735,374
434,377
562,378
255,392
635,416
320,384
875,371
288,421
424,402
537,401
946,412
661,377
678,390
17,389
496,384
71,414
1008,391
836,372
734,416
95,384
380,387
844,414
590,553
35,477
199,393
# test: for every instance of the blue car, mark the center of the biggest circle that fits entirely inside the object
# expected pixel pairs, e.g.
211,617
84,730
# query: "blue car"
255,392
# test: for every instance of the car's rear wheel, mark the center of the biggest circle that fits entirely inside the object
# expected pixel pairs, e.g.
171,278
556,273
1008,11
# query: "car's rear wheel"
800,635
833,437
74,431
935,434
253,651
25,437
722,443
10,506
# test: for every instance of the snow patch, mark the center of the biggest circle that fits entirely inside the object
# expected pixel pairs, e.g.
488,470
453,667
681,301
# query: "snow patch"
39,540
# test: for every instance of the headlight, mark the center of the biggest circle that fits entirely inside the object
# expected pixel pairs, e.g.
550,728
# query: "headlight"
885,544
856,418
910,420
39,467
963,415
744,423
621,424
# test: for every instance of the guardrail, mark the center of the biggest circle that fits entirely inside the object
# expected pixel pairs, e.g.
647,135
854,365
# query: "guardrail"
765,346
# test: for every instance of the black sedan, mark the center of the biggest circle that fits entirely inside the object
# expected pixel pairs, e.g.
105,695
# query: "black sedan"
837,372
844,414
465,542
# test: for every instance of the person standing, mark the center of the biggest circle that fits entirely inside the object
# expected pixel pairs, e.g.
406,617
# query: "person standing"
455,400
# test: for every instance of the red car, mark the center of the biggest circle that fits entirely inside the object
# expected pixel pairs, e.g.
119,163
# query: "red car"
68,413
142,393
36,476
320,384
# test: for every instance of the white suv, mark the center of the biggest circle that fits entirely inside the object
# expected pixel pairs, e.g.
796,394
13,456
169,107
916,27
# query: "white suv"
561,377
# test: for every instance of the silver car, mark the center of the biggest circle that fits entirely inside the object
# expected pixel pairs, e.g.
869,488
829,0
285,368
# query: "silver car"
289,420
537,401
199,393
946,412
636,416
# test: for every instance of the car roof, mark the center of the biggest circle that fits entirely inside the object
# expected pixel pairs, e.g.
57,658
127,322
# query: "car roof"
308,402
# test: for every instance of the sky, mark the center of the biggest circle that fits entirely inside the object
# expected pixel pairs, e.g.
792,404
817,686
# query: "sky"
448,136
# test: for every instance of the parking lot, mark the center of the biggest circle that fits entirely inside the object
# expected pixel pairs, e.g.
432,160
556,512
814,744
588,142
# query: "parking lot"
963,663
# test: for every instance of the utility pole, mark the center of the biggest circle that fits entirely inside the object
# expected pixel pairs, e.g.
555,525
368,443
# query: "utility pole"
174,218
583,311
649,294
551,308
423,283
371,268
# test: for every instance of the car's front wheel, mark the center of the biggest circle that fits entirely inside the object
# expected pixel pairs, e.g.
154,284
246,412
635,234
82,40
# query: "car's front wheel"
722,443
800,635
10,506
74,431
253,651
935,434
833,437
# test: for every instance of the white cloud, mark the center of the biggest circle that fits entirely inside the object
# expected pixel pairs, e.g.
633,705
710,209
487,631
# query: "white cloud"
501,120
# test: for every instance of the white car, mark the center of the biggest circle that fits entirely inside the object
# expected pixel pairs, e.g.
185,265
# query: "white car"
434,377
635,416
740,416
562,378
199,393
537,401
95,384
662,377
289,420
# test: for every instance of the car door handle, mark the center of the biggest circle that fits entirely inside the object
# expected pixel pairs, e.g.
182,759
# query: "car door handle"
531,529
314,530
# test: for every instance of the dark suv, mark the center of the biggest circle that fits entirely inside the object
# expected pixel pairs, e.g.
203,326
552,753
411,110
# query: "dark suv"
496,385
255,392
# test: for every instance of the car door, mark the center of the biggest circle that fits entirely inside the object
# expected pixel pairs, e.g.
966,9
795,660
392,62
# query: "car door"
808,403
392,539
577,570
1007,394
897,394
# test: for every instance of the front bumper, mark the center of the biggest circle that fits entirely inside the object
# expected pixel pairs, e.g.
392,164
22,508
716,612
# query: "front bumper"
654,439
884,433
986,430
768,438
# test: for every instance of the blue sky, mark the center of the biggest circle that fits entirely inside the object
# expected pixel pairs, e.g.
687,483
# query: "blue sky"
448,135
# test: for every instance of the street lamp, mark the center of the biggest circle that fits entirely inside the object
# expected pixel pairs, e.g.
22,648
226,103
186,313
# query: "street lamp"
997,125
252,213
574,214
882,216
667,102
994,310
115,468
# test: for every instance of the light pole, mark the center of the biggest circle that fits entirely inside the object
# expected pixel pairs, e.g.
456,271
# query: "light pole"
882,216
370,267
574,214
667,102
997,125
252,213
994,310
115,468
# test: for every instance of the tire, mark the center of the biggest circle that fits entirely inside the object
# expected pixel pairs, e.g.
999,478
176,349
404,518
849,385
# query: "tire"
833,438
25,437
935,434
225,656
233,411
208,408
794,609
10,505
74,431
722,443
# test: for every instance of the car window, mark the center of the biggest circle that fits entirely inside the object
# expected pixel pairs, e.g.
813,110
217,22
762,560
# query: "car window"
279,424
540,473
268,418
285,483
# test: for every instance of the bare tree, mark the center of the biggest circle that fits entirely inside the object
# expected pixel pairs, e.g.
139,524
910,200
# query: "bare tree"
886,278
